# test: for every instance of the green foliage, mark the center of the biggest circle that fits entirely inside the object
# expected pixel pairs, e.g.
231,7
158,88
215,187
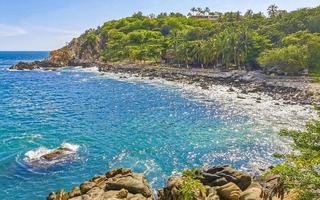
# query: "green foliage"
299,51
191,187
291,59
212,39
301,168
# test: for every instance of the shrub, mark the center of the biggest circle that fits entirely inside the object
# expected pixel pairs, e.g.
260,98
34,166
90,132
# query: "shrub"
301,168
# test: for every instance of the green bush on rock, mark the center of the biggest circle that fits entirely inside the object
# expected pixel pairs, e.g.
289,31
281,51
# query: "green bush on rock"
192,187
301,168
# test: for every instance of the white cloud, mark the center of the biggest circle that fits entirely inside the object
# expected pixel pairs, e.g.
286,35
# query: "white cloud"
7,31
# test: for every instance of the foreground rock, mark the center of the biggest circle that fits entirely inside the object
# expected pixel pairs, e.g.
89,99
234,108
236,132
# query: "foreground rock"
115,184
214,183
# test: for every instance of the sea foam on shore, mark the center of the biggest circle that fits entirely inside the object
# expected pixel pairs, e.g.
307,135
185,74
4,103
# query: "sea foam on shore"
261,108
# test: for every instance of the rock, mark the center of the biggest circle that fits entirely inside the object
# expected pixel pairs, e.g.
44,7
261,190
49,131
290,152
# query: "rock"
117,171
56,154
229,191
241,179
204,85
75,192
254,192
60,195
98,179
240,97
171,191
95,193
117,184
213,180
133,182
52,196
212,194
122,194
76,198
86,186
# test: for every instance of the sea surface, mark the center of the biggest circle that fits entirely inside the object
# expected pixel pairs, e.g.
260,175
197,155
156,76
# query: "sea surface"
153,129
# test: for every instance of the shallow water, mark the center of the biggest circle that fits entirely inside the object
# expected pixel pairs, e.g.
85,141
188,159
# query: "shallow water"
150,128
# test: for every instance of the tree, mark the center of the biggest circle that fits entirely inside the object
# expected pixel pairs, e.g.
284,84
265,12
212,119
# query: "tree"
273,10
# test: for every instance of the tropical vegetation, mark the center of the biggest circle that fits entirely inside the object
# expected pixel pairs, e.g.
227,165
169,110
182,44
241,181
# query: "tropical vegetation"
281,42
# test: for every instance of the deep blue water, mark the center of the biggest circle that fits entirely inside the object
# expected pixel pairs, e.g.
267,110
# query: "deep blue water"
152,129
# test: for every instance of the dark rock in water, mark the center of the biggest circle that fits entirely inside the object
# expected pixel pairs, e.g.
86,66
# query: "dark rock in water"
43,157
241,179
35,65
56,154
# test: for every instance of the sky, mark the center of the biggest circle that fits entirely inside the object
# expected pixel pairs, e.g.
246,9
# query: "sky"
48,24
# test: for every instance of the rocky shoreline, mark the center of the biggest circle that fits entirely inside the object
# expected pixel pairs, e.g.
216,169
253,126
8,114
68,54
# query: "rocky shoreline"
210,183
292,90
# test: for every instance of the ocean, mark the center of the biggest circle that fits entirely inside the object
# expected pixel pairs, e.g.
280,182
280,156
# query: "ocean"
152,128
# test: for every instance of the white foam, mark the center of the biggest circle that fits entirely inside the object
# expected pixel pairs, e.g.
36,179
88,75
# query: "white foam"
270,113
34,157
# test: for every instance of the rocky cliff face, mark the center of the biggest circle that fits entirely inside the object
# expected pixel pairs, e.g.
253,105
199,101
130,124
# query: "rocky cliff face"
87,47
80,51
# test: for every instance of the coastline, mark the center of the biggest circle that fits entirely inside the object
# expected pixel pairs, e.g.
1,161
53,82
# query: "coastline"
240,91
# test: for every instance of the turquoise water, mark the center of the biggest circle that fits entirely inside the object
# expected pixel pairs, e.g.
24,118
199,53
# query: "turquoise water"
152,129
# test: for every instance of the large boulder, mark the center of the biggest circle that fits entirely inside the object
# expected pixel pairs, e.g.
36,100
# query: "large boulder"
114,185
229,191
171,190
133,182
221,175
254,192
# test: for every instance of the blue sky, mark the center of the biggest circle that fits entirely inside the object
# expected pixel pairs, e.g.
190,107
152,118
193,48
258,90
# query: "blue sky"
49,24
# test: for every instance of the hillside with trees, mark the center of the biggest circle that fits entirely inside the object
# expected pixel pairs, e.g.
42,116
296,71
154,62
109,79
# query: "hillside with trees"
282,42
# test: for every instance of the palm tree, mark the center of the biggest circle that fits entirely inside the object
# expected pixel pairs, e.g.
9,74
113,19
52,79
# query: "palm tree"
199,10
272,10
207,10
249,13
193,10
